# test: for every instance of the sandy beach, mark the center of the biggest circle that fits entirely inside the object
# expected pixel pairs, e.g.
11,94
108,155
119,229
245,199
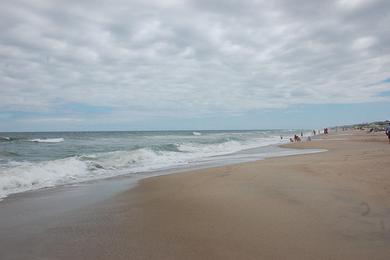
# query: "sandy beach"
195,130
329,205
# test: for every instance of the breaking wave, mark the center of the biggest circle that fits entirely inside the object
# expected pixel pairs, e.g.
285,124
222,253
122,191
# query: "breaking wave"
47,140
24,176
5,139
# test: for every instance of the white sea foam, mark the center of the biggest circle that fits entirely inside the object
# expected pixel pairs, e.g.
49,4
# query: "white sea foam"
47,140
24,176
196,133
30,176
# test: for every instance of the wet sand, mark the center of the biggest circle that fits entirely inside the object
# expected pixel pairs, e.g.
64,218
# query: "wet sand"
330,205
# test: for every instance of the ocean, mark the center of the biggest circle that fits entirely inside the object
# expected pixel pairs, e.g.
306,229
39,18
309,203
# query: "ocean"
31,161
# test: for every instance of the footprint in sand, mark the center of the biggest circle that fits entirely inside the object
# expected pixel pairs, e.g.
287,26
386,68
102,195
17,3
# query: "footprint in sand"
365,209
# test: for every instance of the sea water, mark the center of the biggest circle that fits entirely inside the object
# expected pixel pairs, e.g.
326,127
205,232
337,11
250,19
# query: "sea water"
30,161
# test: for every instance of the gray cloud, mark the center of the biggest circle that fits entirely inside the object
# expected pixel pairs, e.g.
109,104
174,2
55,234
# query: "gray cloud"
191,58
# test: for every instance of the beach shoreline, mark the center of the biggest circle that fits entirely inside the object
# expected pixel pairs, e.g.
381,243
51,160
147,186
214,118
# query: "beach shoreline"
68,158
331,205
242,156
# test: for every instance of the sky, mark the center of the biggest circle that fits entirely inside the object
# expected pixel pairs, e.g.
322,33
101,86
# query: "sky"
192,64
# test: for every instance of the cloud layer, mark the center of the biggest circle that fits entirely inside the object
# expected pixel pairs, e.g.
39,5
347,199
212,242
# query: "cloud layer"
191,58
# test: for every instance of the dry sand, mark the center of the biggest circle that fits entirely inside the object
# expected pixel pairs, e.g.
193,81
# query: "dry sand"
331,205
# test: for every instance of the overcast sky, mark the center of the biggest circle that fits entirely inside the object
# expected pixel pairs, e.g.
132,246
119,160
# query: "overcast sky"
192,64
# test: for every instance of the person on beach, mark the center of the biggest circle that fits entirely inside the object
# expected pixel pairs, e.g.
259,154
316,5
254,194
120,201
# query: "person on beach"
388,132
296,138
326,131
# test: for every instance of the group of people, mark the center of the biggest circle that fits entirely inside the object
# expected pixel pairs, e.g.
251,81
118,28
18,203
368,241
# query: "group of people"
326,131
296,138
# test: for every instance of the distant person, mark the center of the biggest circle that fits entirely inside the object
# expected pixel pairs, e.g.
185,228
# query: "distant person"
326,131
309,138
314,132
301,134
281,137
291,140
388,132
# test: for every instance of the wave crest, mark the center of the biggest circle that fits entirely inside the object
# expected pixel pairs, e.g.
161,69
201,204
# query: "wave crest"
5,138
47,140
